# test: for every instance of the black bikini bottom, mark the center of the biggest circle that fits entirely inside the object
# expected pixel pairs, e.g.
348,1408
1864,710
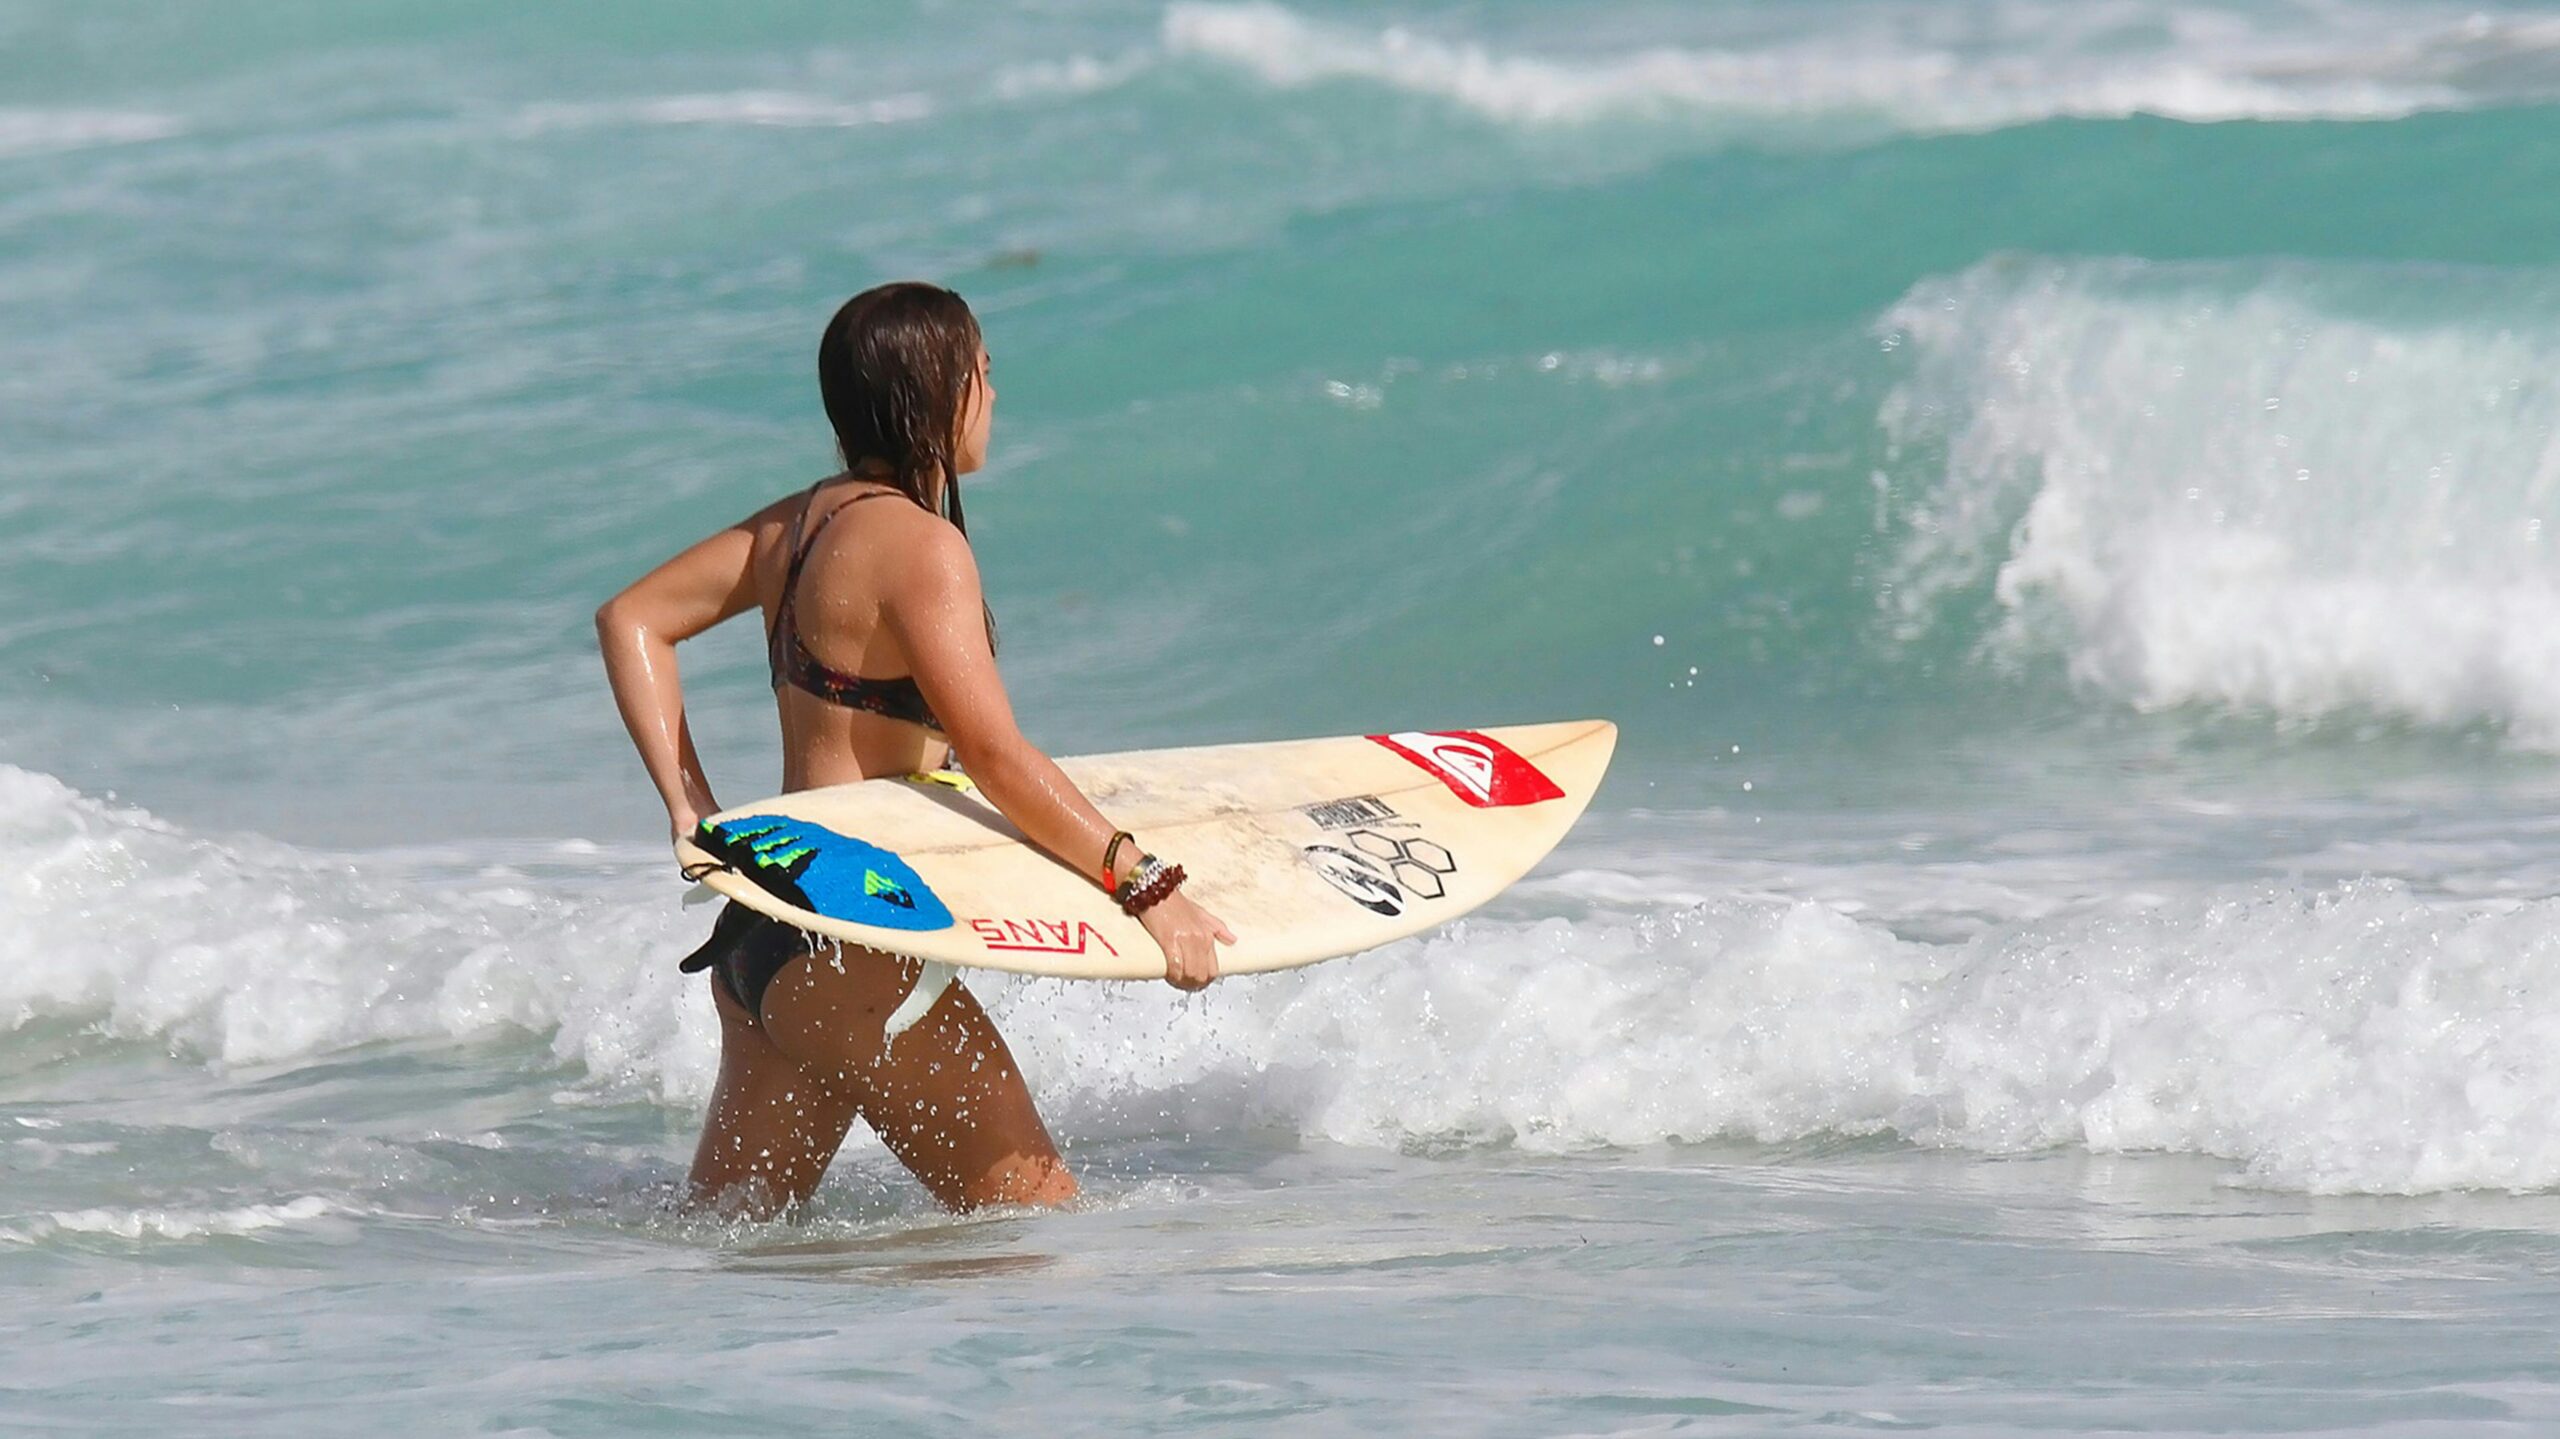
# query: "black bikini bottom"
746,950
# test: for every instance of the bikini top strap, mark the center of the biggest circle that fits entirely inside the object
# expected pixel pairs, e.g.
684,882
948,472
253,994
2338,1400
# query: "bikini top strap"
791,576
804,538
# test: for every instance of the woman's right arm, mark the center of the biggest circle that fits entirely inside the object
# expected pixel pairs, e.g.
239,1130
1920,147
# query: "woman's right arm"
937,611
638,631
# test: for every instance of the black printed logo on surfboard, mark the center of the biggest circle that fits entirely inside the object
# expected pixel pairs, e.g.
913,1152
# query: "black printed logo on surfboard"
1422,866
1358,877
1352,811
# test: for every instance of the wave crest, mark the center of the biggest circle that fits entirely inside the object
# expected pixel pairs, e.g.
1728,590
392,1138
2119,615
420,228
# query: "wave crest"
2350,1040
2356,1038
2304,491
244,951
41,132
1935,66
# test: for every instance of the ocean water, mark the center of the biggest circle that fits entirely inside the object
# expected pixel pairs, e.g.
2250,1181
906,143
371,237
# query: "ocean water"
2055,495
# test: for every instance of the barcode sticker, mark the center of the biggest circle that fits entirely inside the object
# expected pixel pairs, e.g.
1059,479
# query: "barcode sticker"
1350,812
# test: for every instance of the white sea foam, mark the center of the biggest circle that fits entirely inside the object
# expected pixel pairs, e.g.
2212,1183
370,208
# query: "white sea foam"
146,1224
245,952
1955,64
2351,1038
38,132
778,109
1074,75
2281,488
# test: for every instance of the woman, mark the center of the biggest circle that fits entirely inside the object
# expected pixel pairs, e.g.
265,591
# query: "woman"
883,662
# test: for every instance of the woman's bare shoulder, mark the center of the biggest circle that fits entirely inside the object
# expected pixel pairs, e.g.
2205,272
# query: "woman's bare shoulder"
885,537
770,528
775,515
928,550
903,553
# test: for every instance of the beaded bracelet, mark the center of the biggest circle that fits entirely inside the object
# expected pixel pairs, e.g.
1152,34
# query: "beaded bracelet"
1139,873
1148,887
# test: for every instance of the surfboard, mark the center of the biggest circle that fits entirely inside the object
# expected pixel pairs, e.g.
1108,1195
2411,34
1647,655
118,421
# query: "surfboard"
1308,849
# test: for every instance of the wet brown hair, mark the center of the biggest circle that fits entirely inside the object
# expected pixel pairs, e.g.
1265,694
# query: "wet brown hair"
895,369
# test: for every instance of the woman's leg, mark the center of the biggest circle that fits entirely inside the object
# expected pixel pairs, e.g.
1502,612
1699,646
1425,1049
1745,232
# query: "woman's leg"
772,1127
946,1097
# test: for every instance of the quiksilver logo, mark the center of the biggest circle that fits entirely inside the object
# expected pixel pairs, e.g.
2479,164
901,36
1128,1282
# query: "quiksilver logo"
1465,761
1475,767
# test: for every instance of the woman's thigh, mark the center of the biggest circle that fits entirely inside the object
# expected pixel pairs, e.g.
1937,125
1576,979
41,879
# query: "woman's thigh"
773,1125
946,1097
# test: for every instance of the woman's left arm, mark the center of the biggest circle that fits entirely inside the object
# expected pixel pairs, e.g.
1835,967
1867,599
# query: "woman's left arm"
638,631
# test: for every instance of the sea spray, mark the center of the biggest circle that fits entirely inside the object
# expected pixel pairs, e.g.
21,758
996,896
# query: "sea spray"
2294,489
2344,1038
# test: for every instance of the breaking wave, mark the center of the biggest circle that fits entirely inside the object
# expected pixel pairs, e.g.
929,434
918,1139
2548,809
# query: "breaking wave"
1931,66
2347,1038
2296,490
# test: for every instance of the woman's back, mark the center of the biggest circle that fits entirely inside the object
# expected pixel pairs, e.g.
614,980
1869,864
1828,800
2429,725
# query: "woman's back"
850,707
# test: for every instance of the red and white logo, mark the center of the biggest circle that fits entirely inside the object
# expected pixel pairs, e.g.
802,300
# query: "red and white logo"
1484,772
1040,936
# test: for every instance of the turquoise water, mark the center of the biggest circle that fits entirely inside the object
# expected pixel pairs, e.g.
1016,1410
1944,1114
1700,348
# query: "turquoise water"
2054,495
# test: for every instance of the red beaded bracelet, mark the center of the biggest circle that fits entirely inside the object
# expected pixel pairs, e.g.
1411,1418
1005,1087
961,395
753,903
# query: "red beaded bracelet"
1152,893
1141,870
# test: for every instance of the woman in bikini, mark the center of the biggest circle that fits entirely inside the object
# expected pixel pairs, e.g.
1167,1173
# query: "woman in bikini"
883,662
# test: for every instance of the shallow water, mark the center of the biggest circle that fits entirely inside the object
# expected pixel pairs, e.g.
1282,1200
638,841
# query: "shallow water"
2055,496
1310,1288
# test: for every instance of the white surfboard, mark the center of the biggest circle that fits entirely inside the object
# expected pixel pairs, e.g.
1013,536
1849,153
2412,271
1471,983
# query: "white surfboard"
1308,849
